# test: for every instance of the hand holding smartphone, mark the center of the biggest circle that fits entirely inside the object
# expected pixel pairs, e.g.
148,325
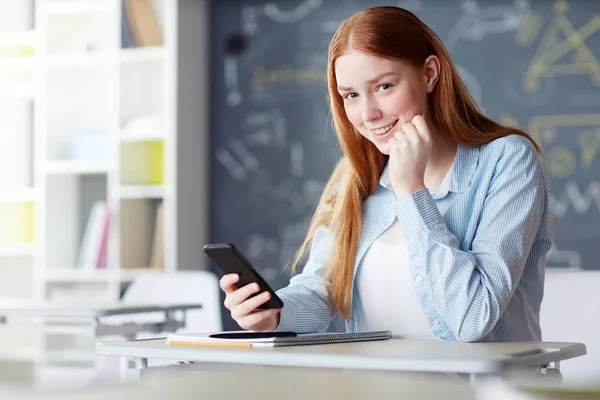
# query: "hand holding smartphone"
230,260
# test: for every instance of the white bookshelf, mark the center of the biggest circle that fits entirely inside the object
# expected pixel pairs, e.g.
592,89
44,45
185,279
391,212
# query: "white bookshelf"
78,108
77,7
91,92
67,275
142,54
17,91
77,167
18,37
17,250
142,192
18,193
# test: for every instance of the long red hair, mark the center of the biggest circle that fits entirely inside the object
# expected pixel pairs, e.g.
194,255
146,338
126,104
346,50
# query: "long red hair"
393,33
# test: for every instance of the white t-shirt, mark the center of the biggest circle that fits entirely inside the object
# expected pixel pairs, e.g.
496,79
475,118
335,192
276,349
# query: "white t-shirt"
386,295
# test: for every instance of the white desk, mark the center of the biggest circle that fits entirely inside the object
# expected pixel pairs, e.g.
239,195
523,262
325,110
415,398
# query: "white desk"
95,314
392,355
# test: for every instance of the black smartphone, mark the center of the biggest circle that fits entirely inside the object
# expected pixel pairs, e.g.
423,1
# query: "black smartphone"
230,260
252,335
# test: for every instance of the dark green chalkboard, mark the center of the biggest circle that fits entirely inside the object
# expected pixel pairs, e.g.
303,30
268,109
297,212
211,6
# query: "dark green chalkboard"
529,63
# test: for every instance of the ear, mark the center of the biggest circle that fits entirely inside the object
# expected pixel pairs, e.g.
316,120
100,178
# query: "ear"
431,68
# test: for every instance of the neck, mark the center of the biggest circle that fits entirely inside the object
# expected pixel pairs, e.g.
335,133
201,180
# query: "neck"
443,151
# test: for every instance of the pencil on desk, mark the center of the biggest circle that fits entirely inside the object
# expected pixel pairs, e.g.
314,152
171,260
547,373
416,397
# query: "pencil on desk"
210,344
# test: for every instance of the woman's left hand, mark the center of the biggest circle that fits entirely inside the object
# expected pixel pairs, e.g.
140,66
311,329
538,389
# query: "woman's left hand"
410,148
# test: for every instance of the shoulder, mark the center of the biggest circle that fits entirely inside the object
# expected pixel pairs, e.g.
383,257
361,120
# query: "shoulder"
511,145
511,158
511,152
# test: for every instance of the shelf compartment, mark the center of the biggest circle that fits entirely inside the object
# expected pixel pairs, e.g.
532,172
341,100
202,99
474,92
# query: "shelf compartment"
141,238
76,33
16,278
17,17
68,167
142,163
71,199
135,79
79,114
16,147
17,228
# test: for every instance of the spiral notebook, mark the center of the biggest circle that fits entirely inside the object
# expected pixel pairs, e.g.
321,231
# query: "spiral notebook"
216,339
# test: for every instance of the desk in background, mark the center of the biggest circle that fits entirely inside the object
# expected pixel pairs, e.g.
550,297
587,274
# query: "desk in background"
95,315
92,321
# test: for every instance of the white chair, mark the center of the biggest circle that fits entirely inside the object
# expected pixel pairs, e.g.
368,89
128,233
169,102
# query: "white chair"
569,314
181,287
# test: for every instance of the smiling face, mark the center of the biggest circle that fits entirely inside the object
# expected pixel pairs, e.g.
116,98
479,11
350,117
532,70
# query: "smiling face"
381,94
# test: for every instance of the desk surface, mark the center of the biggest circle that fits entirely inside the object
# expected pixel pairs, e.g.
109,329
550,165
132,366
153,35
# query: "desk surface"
393,354
91,310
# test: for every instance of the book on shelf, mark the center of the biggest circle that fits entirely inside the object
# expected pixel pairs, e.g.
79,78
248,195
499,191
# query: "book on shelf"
142,235
127,38
92,252
140,24
157,258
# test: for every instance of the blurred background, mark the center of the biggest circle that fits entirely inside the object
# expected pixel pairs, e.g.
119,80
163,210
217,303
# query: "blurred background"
133,132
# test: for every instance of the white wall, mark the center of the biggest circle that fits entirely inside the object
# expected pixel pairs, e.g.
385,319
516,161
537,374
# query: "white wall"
193,131
571,313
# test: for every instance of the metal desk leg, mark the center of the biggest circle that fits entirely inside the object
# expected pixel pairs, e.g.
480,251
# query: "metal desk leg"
551,371
472,379
130,368
185,367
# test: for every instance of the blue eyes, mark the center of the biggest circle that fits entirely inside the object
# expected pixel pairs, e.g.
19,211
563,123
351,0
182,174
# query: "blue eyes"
352,95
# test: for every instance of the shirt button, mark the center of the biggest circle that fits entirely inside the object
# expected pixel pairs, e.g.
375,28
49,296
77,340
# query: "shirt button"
436,322
418,279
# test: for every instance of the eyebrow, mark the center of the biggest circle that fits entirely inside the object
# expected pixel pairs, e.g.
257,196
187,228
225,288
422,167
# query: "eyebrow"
370,81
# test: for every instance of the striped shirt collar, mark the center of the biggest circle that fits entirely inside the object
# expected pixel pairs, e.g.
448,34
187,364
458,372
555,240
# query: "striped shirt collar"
460,174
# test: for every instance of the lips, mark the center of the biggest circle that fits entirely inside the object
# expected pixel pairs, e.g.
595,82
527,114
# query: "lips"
384,131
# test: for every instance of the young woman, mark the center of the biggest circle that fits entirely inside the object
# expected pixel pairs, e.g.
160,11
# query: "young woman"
434,222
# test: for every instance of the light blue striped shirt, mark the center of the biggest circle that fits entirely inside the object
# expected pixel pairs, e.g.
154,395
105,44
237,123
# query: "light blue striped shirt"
476,255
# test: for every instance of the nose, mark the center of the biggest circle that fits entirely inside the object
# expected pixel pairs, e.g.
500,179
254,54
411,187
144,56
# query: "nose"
370,111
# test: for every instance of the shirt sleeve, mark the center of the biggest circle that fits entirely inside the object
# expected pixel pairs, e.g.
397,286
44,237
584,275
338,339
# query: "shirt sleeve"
305,299
471,289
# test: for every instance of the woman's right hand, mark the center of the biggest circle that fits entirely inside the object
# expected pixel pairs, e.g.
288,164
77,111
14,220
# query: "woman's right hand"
244,310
